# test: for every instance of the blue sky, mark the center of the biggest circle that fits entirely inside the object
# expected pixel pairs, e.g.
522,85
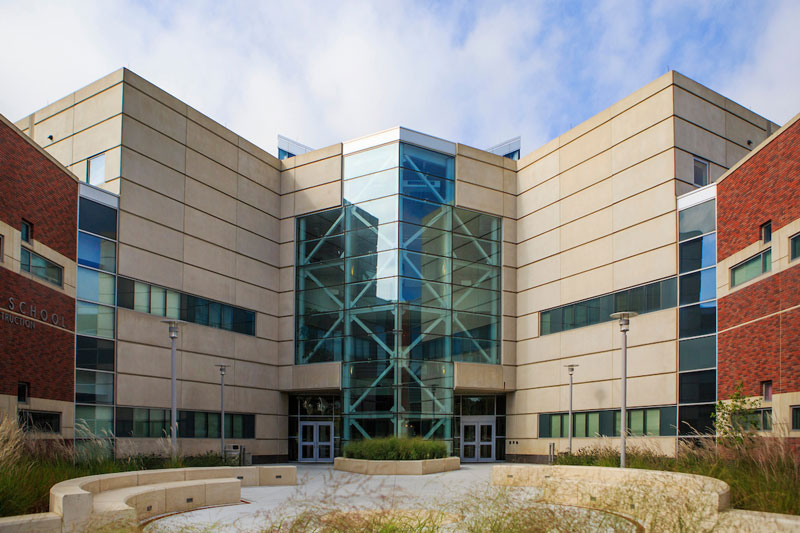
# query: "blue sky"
472,72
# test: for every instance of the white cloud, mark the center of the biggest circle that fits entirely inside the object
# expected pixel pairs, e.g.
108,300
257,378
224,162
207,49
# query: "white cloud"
322,72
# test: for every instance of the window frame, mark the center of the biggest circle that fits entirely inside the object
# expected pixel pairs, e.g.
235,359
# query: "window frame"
792,410
794,238
766,390
766,267
89,169
26,397
34,273
704,162
23,231
766,232
2,247
34,429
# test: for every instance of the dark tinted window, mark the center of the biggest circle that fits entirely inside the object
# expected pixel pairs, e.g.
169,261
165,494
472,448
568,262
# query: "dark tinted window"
698,253
97,218
697,387
697,320
94,354
698,353
695,419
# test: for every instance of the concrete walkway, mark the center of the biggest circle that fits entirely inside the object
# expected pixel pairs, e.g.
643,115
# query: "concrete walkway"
322,490
320,485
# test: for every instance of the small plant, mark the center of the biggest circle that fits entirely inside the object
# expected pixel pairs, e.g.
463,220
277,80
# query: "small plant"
395,449
734,419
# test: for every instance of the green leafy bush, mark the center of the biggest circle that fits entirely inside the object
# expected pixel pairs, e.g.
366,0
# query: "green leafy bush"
395,449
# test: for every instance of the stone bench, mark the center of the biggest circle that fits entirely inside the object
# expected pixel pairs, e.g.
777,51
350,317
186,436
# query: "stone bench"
127,495
396,468
140,502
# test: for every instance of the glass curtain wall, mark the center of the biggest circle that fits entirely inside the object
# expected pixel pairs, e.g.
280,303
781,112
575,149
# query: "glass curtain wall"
398,284
697,318
94,328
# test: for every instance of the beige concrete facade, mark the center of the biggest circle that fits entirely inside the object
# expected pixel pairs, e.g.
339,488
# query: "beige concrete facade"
596,213
206,212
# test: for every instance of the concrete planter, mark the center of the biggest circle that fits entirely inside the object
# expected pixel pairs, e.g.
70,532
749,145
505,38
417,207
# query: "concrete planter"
396,468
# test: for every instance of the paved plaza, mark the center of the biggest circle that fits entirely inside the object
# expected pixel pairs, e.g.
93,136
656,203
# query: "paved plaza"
322,490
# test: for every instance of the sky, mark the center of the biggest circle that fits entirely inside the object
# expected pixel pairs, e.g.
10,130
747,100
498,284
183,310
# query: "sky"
476,72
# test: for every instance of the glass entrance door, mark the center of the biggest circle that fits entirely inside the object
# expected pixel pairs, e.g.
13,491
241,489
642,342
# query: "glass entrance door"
316,442
477,439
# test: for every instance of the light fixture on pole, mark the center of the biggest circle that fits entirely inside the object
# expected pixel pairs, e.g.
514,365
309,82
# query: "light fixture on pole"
173,425
571,369
624,325
222,369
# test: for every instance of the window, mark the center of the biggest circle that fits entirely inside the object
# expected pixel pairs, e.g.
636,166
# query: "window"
751,268
756,420
23,389
97,218
796,418
198,424
643,299
39,421
697,220
40,267
700,172
766,390
766,232
26,231
653,421
96,169
155,300
1,249
794,247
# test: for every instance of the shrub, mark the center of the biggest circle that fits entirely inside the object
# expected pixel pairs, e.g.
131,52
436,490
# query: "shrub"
395,449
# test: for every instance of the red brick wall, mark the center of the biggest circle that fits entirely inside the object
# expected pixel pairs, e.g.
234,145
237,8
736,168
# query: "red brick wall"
766,187
34,188
44,355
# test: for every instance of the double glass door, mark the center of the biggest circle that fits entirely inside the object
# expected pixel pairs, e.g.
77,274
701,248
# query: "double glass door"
316,442
477,439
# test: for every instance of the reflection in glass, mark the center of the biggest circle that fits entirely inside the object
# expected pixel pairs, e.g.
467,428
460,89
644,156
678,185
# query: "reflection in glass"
698,253
371,240
370,187
425,266
95,320
96,252
424,213
372,266
698,286
476,224
95,286
425,240
427,161
427,187
370,161
371,213
697,320
697,220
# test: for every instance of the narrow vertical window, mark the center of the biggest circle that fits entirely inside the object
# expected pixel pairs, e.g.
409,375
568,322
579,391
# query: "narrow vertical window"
700,172
26,231
766,390
23,390
766,232
96,169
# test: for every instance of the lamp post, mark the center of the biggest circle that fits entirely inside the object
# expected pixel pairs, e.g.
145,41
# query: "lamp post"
222,369
571,369
624,325
173,426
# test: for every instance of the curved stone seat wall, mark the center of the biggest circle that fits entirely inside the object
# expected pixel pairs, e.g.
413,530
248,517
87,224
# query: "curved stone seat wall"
72,502
660,501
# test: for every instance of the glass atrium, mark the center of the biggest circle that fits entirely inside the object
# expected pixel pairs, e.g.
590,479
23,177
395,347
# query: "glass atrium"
398,285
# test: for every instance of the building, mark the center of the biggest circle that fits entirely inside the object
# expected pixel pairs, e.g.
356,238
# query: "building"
397,283
38,221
